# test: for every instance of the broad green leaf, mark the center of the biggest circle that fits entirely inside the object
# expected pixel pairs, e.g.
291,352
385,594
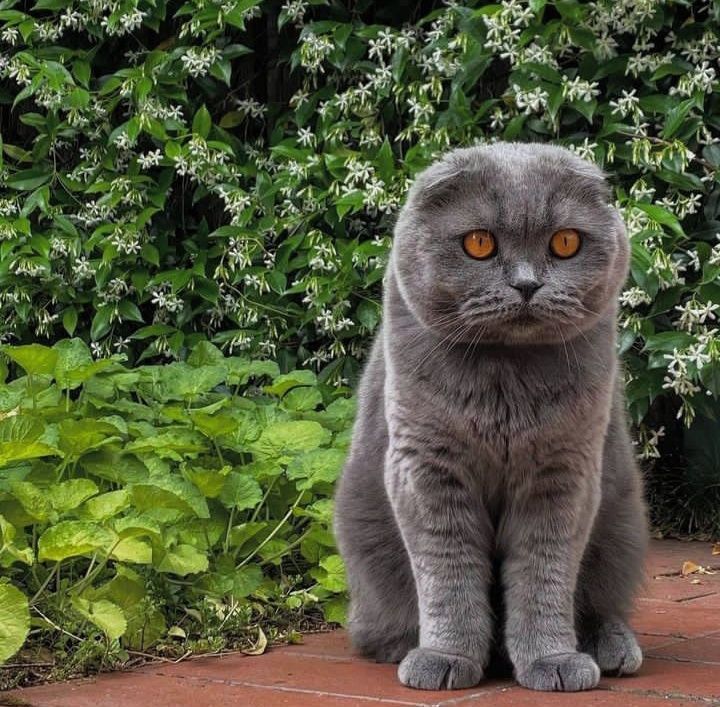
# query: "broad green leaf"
331,573
240,492
145,622
335,610
206,354
35,359
132,549
172,444
169,492
18,451
13,546
181,560
70,494
316,466
72,354
290,437
106,505
80,436
214,425
302,399
71,538
240,370
281,384
14,620
34,500
104,614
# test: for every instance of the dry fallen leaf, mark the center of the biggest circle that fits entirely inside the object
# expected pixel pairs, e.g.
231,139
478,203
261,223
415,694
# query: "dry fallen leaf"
260,644
716,549
695,581
689,568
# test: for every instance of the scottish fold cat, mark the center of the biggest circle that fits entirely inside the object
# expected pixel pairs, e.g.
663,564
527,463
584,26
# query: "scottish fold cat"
491,504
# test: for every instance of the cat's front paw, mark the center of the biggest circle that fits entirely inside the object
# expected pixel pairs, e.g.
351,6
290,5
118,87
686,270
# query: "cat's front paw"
562,672
427,669
616,649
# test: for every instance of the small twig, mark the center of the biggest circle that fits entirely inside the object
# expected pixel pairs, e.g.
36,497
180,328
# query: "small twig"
159,657
55,626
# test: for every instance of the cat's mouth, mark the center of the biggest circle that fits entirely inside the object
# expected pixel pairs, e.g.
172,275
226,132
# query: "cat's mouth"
525,316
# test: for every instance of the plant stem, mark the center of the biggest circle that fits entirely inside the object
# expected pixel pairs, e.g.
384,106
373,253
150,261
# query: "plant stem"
274,532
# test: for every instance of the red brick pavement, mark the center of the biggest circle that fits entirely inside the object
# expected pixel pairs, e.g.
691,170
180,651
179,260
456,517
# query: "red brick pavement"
677,619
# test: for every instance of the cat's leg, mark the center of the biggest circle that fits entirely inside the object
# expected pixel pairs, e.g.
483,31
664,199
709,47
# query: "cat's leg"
383,620
448,540
612,568
542,538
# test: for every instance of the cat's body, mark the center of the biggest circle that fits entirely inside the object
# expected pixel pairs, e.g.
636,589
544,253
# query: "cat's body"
490,456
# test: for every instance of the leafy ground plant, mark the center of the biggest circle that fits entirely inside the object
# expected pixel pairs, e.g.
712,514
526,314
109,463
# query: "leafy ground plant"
169,509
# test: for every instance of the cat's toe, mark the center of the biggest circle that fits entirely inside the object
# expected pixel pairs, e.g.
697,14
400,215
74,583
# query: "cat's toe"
427,669
616,649
562,672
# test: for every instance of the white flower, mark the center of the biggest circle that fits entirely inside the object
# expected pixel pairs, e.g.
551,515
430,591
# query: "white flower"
306,137
150,159
634,297
197,61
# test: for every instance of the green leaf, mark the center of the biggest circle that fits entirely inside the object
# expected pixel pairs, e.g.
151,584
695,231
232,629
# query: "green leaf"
302,399
202,122
182,560
71,538
29,179
35,359
77,437
676,116
240,370
69,494
106,615
668,341
290,438
331,574
14,620
169,492
33,500
70,320
240,492
316,467
72,354
206,354
106,505
132,549
281,384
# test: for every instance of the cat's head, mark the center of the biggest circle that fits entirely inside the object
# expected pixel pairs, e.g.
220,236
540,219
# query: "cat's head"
510,243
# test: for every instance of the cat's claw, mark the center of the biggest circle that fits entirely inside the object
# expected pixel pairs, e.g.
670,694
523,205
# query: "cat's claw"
562,672
616,649
427,669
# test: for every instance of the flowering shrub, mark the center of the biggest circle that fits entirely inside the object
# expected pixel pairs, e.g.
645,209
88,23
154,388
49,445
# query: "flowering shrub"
158,190
176,507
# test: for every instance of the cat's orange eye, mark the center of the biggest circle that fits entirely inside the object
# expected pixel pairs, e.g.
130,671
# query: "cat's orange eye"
479,244
565,243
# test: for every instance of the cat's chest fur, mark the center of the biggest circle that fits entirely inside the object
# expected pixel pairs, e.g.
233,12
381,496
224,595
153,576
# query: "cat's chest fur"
510,409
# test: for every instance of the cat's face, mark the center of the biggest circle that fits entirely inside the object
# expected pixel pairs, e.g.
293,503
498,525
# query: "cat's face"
510,243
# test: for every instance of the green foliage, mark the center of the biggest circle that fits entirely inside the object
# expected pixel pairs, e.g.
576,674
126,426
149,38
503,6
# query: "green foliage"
139,501
165,181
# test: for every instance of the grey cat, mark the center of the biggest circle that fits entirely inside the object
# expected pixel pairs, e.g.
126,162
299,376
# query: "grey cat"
491,504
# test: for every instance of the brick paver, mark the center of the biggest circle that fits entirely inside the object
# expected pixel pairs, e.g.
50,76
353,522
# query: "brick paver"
677,619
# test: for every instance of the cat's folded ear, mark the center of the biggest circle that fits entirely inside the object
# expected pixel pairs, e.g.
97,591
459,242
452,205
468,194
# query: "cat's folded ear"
442,181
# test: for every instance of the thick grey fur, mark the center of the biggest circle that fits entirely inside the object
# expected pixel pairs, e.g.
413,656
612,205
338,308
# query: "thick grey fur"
491,502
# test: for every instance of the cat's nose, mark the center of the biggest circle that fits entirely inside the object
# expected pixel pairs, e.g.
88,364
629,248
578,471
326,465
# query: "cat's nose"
524,280
527,288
